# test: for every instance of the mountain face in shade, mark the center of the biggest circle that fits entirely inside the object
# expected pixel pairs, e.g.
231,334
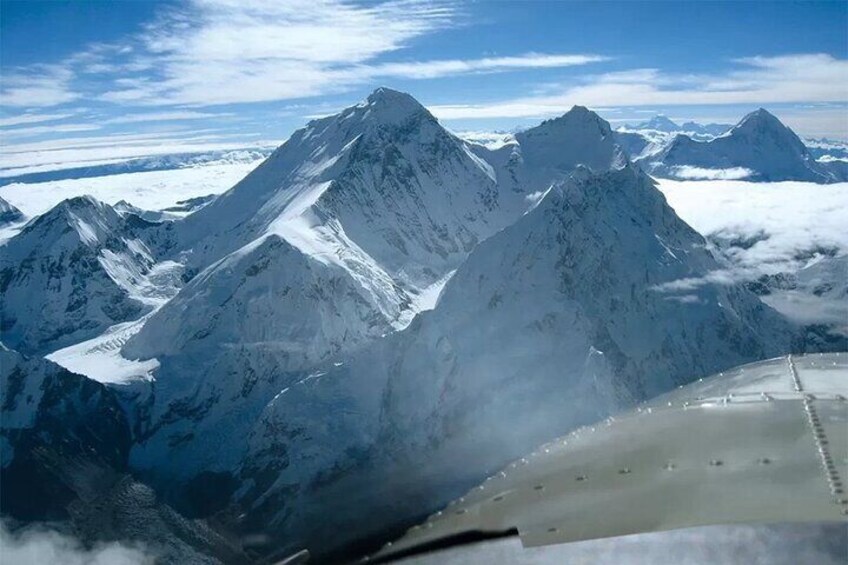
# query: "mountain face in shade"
64,443
74,271
568,315
759,147
51,419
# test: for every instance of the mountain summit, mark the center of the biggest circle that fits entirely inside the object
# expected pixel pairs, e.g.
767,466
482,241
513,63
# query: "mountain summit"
388,104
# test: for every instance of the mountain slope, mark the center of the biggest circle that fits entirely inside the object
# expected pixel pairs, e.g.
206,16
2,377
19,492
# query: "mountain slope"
760,145
64,442
52,418
567,315
235,336
74,271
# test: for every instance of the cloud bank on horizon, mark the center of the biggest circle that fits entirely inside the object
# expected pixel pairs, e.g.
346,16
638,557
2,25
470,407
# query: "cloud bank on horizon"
239,74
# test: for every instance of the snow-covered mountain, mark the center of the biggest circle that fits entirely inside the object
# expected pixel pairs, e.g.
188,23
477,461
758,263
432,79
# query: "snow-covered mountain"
381,313
336,180
76,270
9,214
331,243
758,148
340,237
571,313
288,335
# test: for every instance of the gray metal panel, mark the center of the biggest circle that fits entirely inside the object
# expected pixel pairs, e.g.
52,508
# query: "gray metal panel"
744,446
823,373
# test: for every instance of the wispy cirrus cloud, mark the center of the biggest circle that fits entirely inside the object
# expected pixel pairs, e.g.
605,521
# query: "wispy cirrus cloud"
33,118
221,51
37,130
753,80
63,153
215,52
179,115
38,86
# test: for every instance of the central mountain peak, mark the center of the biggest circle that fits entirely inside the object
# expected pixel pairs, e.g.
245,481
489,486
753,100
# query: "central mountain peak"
393,98
578,137
387,106
761,122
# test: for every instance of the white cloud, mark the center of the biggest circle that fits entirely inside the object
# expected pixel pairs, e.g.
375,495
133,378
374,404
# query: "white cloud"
699,173
56,154
211,52
37,86
781,224
223,51
164,117
30,118
38,130
434,69
37,545
757,81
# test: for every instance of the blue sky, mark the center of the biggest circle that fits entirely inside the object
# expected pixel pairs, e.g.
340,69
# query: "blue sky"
94,81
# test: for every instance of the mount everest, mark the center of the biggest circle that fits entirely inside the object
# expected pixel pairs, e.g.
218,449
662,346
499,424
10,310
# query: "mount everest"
381,312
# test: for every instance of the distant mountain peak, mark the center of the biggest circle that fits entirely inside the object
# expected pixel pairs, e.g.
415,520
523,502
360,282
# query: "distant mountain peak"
9,213
760,118
660,122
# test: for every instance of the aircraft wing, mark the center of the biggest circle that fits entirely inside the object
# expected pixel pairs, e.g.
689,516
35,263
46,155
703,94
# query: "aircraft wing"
766,442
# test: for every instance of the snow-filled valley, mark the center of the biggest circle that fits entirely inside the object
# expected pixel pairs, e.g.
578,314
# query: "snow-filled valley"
381,312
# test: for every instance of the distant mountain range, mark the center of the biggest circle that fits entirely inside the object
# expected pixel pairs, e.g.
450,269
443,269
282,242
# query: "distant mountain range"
368,323
758,148
666,125
153,163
